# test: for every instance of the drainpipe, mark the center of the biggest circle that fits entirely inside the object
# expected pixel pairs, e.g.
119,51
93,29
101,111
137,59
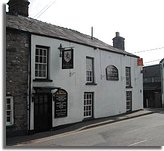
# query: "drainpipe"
29,85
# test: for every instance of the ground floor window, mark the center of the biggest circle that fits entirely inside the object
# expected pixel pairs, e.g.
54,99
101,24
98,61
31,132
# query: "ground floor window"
88,104
128,101
9,111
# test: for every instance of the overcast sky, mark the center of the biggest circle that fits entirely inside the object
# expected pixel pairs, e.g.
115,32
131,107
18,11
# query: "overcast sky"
140,22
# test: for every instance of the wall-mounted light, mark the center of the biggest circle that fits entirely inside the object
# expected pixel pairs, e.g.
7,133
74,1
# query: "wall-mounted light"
61,48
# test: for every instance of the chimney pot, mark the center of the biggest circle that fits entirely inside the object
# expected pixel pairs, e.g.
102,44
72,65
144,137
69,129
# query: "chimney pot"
117,34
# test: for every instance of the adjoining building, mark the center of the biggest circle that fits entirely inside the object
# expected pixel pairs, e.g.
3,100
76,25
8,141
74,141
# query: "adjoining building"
162,80
152,86
57,76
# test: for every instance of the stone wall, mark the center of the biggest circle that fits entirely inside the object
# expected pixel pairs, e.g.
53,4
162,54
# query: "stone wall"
17,53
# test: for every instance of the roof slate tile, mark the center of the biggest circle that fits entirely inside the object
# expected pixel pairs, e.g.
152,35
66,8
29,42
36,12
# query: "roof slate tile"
34,26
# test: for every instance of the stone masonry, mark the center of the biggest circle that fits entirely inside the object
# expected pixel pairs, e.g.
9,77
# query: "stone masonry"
17,56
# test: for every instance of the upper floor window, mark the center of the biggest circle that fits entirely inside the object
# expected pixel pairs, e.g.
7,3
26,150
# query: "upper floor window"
128,77
9,111
89,70
41,62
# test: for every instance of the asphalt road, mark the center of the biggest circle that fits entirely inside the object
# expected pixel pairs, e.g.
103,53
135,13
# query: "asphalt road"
146,130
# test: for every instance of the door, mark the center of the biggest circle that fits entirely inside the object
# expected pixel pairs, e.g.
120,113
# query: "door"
128,101
42,112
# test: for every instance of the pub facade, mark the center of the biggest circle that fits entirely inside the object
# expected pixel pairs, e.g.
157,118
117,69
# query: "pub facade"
61,76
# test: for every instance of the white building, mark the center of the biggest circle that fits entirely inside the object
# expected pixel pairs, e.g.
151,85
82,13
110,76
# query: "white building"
90,93
71,76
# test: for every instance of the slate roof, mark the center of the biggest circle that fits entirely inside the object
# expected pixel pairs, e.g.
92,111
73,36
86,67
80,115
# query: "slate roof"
162,60
151,71
34,26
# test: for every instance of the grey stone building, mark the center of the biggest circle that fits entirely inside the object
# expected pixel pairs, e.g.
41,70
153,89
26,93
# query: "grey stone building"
152,86
17,69
162,80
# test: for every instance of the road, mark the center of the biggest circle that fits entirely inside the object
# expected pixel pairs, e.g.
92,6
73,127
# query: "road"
146,130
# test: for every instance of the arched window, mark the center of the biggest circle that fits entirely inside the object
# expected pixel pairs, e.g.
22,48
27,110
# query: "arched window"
111,73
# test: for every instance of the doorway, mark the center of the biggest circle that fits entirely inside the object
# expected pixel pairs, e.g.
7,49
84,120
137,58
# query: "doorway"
42,112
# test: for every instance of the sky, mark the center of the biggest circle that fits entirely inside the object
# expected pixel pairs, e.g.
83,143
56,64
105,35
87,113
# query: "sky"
140,22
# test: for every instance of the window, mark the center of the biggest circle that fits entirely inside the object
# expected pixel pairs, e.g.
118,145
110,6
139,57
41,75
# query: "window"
128,101
88,104
9,111
89,70
41,59
128,77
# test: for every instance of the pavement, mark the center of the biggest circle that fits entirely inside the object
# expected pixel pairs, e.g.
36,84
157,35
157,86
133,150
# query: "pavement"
77,127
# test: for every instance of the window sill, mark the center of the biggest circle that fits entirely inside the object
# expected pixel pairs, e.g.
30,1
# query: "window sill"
129,87
42,80
91,83
10,126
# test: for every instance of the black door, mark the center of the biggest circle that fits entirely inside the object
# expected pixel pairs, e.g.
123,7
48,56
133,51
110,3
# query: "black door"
42,112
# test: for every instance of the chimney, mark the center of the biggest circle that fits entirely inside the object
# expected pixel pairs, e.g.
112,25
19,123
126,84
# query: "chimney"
118,42
18,7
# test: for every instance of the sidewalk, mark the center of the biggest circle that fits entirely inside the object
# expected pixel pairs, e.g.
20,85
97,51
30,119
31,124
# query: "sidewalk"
77,127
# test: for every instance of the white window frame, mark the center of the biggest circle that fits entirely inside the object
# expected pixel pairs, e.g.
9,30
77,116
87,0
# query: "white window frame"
88,104
128,101
128,76
11,110
89,70
41,64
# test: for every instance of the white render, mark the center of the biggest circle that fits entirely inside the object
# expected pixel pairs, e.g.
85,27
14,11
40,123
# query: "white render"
109,96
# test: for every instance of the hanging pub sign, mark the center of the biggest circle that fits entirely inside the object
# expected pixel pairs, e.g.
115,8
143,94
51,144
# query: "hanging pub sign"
67,59
60,98
140,61
111,73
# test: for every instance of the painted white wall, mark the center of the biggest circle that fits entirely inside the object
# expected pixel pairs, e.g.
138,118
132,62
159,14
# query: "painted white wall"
109,96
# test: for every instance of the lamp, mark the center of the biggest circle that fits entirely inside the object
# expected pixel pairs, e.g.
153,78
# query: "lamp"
61,49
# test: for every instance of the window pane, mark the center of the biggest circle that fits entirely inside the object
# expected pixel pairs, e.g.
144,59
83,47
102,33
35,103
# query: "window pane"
44,60
8,107
8,112
44,53
8,119
37,51
40,52
8,101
